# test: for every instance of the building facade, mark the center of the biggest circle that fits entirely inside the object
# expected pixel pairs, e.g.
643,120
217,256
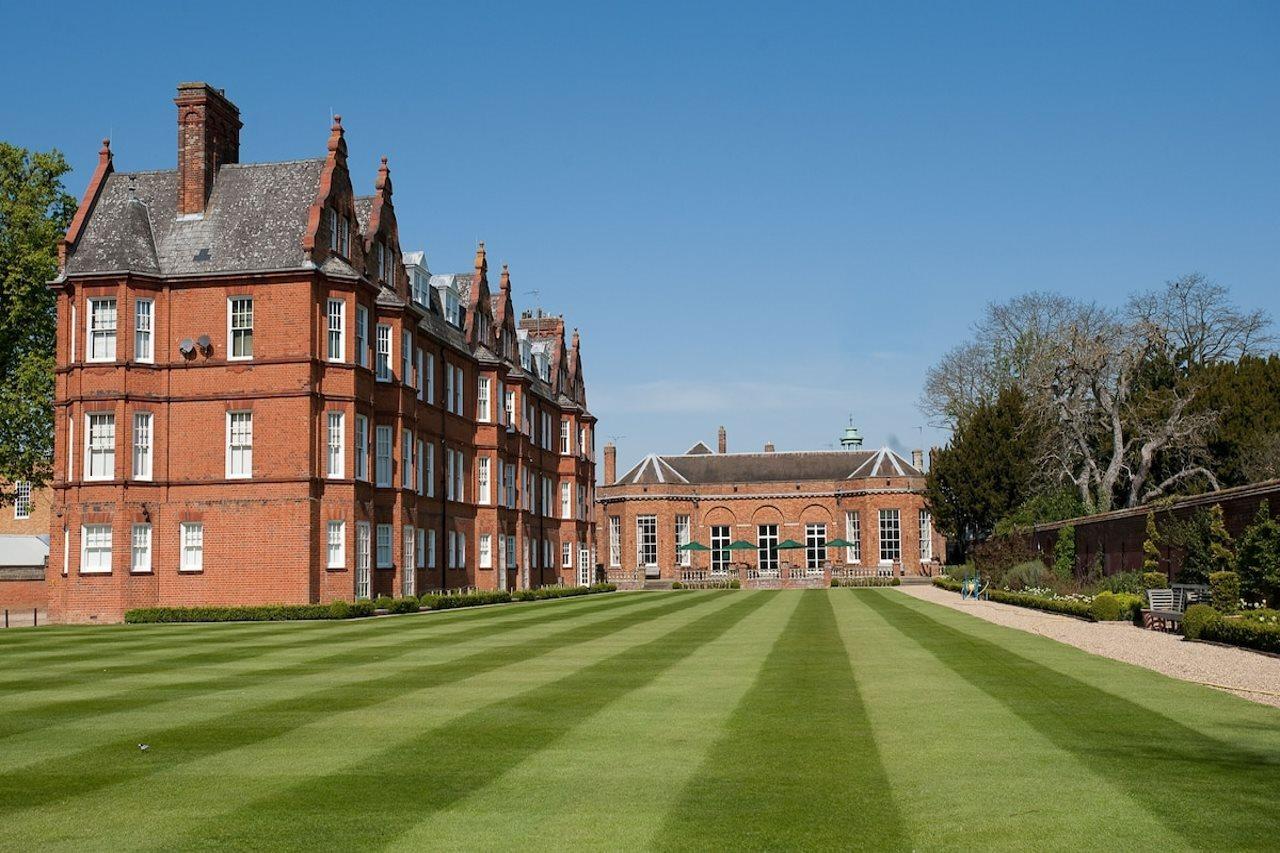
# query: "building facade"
260,398
871,499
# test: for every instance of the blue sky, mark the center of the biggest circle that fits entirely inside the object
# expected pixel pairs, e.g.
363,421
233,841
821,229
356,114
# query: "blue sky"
763,215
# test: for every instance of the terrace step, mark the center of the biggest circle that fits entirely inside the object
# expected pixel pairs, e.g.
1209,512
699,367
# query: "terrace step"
657,584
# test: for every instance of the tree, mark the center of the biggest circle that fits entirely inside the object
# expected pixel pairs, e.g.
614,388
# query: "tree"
1244,445
1221,556
1204,542
1258,557
35,211
1064,553
986,470
1151,546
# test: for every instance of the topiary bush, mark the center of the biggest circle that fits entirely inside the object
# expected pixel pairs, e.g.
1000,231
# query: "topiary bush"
1155,580
1116,607
340,609
407,604
1197,618
1224,591
1064,554
383,602
897,581
677,585
735,584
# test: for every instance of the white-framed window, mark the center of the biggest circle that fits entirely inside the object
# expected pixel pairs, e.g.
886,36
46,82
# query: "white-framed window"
460,476
615,541
140,548
482,479
100,446
71,451
95,549
74,324
142,436
448,473
380,253
101,335
646,541
336,454
566,554
767,546
482,399
362,447
582,501
406,356
431,470
406,459
462,550
566,437
448,387
890,536
459,392
143,323
546,496
720,538
362,336
509,408
566,499
485,551
382,456
452,311
407,565
431,379
331,218
337,544
431,549
21,500
384,546
191,542
239,445
926,536
418,380
420,553
382,363
451,550
815,545
419,463
337,329
546,553
362,559
853,532
682,538
239,328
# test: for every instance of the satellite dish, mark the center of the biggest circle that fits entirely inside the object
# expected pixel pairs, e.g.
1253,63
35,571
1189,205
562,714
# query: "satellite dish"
187,347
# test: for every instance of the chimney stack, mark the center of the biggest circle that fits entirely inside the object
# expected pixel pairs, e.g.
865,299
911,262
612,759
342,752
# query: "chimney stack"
610,464
208,137
722,441
917,459
768,447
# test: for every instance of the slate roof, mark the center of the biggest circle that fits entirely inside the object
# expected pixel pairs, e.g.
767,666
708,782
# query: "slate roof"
254,221
701,466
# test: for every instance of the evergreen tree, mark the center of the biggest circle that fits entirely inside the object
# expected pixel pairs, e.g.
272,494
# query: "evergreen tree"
1064,554
1258,557
1222,559
1151,546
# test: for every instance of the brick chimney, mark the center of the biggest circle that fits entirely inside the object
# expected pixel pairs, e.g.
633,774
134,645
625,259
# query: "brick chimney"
768,447
208,137
722,441
917,459
610,463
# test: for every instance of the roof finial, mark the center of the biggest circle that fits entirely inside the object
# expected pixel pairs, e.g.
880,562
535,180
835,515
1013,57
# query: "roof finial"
336,135
384,178
575,338
482,264
104,155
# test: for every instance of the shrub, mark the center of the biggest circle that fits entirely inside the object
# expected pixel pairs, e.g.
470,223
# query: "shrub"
1243,632
436,601
1066,606
1129,582
947,583
1064,554
1116,607
602,587
1197,618
339,610
896,582
1030,574
677,585
1258,557
1155,580
258,613
735,584
383,602
995,557
1151,548
408,604
1224,591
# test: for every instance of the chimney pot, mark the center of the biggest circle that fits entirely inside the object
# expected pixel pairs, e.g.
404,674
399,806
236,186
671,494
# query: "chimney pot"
722,441
917,459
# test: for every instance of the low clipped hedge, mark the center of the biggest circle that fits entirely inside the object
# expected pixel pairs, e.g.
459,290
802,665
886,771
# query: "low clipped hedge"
863,582
1066,606
1116,607
947,583
438,601
259,613
1243,632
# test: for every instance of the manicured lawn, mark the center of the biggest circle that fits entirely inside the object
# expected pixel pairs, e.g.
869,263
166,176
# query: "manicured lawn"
694,720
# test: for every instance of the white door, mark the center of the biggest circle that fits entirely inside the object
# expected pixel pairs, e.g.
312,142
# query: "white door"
584,566
362,560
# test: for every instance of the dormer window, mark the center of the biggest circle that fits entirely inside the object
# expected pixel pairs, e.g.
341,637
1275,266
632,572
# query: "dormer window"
333,229
525,356
380,252
420,288
339,240
345,234
452,311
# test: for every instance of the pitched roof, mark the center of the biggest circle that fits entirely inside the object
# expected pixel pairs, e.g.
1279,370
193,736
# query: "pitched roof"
23,550
705,467
699,449
254,221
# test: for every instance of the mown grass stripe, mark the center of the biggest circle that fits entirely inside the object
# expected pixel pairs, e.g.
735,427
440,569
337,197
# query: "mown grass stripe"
409,782
100,669
357,649
798,766
117,761
1163,765
624,766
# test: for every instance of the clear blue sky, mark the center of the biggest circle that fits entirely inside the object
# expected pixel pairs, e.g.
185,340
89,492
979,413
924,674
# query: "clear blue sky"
762,215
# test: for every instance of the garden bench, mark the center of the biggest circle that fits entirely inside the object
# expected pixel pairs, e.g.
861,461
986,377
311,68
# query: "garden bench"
1164,609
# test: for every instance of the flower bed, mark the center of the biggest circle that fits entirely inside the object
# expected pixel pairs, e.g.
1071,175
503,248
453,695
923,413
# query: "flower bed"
1104,607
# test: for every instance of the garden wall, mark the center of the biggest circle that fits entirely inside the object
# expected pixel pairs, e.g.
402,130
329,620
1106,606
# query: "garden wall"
1117,536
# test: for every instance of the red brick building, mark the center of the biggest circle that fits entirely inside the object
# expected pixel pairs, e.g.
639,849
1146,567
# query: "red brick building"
872,499
260,398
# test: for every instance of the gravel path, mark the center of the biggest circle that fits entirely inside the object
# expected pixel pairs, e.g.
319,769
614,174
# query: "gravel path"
1238,671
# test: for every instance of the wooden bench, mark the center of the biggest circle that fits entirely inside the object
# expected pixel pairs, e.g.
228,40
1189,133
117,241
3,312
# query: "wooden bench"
1164,610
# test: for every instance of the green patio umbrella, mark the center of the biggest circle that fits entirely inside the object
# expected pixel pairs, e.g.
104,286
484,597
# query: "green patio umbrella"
692,546
741,545
788,544
839,543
